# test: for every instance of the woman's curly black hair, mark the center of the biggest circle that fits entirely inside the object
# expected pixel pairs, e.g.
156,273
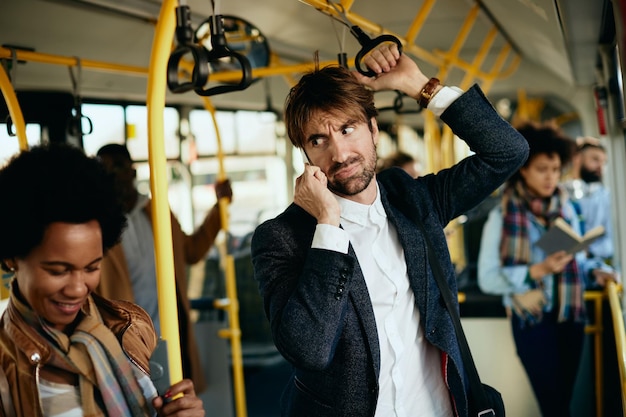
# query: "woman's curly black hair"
548,139
54,183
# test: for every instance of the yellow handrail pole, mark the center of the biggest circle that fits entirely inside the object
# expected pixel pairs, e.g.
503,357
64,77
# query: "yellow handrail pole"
233,333
596,329
620,337
161,221
15,111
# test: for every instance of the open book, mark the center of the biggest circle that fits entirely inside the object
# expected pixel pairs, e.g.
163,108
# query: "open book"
561,236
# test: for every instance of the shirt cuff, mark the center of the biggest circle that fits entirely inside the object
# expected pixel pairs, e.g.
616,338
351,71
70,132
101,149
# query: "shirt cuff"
440,101
330,238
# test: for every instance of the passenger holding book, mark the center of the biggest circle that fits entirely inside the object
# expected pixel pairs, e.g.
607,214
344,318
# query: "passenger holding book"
544,291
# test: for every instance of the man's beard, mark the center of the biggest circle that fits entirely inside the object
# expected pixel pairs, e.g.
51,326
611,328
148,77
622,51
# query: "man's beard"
355,184
590,176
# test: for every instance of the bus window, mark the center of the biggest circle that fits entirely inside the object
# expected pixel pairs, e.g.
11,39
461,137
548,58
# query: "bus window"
9,145
257,175
257,132
203,129
108,126
137,120
259,189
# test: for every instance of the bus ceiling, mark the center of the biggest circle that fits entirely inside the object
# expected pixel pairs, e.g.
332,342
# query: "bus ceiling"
462,40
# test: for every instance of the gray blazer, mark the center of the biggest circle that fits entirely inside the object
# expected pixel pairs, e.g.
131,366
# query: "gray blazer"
317,301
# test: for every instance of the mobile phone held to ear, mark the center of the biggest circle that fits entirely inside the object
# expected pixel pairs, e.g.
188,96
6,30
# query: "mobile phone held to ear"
305,158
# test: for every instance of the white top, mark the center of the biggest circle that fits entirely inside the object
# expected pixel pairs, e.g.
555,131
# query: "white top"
411,381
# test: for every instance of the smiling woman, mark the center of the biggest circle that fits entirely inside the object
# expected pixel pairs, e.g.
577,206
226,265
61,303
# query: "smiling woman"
63,217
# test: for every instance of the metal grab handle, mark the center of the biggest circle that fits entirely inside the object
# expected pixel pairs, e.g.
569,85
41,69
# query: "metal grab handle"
9,124
220,50
75,125
367,45
184,36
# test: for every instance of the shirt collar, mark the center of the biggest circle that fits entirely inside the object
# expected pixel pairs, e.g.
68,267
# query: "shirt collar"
362,214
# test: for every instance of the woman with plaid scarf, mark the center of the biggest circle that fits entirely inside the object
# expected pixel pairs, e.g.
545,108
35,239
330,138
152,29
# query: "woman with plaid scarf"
544,291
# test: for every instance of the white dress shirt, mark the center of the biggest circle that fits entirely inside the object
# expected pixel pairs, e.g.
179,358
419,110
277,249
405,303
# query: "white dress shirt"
411,381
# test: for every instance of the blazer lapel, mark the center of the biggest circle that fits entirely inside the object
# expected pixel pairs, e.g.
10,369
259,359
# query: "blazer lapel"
365,312
414,248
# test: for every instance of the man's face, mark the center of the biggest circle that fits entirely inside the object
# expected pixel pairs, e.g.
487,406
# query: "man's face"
124,174
344,149
592,164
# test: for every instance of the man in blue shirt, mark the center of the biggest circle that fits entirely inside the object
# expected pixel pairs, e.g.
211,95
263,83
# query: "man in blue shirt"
594,199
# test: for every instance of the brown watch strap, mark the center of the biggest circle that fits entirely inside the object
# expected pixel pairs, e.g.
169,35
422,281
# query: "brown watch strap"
427,92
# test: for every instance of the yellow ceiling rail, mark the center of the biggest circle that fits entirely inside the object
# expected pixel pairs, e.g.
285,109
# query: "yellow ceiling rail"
39,57
278,69
451,56
161,221
15,110
408,41
418,22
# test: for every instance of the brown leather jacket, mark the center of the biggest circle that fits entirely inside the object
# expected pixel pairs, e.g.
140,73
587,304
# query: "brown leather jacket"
23,351
188,249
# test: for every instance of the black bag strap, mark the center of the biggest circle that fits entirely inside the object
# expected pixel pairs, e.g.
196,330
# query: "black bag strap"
476,387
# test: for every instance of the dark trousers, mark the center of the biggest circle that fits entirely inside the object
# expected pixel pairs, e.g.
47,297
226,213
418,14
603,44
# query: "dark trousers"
550,353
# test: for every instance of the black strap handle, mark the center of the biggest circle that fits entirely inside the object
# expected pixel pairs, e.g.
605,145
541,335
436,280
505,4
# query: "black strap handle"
184,38
368,45
220,50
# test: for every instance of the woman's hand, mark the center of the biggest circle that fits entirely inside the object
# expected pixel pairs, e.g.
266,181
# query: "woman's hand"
187,405
530,302
553,264
603,277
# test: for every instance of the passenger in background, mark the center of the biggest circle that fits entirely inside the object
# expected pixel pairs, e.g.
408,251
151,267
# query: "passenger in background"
594,198
402,160
544,291
65,351
129,270
343,271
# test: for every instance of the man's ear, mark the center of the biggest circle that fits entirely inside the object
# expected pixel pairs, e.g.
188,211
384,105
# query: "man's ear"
374,129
